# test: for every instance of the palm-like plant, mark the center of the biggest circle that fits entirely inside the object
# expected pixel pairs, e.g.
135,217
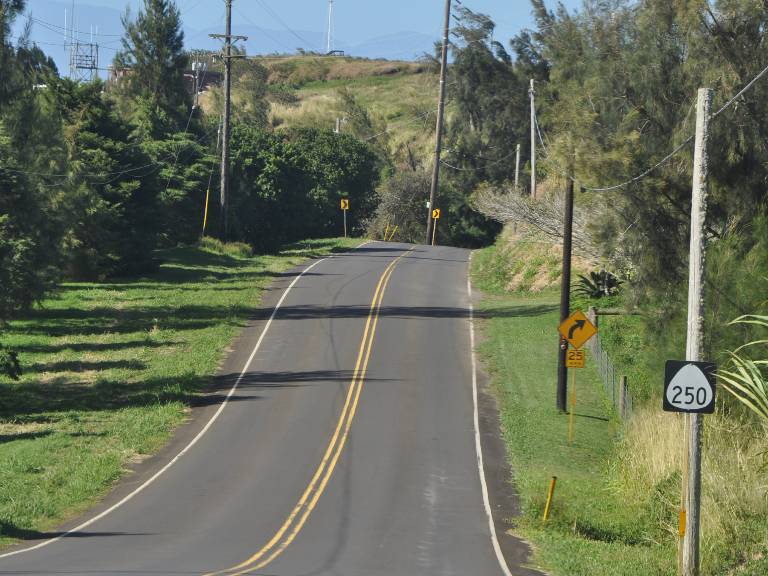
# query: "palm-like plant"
746,378
598,284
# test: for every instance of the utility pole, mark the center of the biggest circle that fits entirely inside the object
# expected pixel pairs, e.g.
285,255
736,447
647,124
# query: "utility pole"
565,297
440,116
517,167
330,27
532,93
695,346
224,197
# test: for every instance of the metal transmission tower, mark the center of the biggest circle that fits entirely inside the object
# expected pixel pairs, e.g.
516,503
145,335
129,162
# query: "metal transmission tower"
227,56
83,56
83,61
329,43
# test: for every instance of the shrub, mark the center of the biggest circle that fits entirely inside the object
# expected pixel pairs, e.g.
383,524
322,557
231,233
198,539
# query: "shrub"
237,249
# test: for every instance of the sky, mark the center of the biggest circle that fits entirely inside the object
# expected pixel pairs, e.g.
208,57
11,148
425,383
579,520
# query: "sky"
391,29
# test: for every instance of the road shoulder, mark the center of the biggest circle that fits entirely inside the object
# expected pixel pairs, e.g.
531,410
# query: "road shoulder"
499,476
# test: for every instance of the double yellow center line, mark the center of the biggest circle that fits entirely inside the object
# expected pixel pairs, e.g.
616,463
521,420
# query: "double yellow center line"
300,513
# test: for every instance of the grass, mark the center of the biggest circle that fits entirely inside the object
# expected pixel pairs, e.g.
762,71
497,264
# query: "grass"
523,263
111,369
593,529
404,101
615,510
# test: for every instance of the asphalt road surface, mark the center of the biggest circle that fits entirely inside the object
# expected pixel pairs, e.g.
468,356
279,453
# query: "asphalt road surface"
347,447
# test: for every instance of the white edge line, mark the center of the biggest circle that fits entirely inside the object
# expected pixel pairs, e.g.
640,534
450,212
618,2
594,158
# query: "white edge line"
194,441
478,443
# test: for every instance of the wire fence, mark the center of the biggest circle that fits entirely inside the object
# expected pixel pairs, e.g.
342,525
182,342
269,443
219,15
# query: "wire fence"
614,382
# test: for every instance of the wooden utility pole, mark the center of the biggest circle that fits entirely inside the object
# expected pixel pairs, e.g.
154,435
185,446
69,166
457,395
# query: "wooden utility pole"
532,93
694,345
440,115
224,196
517,167
565,297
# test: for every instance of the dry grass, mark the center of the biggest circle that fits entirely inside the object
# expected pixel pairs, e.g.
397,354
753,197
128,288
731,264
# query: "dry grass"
734,481
315,111
404,101
523,261
298,70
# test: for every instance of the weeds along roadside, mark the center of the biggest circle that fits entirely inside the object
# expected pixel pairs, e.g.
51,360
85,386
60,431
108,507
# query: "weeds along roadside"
615,508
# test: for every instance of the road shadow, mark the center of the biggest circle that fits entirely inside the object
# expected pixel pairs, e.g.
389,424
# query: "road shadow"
10,530
33,401
315,312
256,380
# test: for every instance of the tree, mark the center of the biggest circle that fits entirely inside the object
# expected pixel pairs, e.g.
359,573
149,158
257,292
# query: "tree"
9,10
153,50
402,204
112,210
29,228
287,186
250,92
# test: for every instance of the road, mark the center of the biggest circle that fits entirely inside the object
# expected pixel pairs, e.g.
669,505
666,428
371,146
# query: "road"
346,446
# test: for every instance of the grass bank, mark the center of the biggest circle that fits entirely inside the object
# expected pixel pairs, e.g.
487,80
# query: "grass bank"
593,529
615,509
110,369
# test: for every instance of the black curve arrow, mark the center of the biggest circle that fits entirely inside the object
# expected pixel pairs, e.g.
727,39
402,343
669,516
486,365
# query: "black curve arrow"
578,325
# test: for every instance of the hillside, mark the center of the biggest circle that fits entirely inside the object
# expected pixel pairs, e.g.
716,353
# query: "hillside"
400,94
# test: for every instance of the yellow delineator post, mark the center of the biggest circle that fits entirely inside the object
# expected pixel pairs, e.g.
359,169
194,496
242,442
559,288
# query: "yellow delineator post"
435,217
205,213
550,495
386,233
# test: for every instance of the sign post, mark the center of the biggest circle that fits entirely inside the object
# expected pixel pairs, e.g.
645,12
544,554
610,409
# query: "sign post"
345,208
435,217
577,330
694,352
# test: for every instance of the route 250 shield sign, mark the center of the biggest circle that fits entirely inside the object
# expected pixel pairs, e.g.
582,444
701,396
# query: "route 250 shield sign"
689,387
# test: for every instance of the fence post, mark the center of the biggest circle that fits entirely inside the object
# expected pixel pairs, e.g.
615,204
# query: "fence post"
623,398
592,315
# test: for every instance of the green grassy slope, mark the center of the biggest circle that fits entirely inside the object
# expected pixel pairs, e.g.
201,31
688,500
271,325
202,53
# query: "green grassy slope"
616,507
592,529
402,93
110,369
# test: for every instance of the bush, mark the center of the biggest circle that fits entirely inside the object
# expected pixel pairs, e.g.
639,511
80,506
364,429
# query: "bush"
288,186
237,249
9,363
403,204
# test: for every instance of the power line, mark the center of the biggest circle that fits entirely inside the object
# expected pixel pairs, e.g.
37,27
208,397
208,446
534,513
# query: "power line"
487,165
52,26
276,16
669,156
262,31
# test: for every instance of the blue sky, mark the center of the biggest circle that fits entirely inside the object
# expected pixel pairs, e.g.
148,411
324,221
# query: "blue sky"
362,26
